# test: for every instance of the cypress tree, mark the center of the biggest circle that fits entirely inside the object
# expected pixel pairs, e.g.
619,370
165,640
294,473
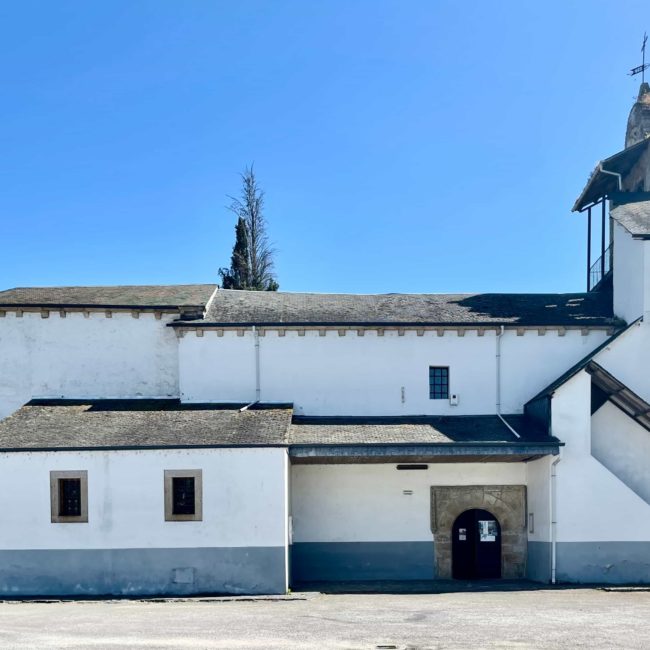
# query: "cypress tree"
251,265
238,276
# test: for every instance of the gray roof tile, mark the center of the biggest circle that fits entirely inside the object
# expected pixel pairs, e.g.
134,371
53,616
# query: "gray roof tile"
634,217
416,429
180,295
88,424
230,307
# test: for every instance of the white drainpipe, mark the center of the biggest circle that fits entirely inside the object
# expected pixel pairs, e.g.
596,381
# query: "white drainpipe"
618,176
553,518
498,363
258,388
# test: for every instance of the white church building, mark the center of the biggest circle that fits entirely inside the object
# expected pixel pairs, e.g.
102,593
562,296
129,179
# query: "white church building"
188,439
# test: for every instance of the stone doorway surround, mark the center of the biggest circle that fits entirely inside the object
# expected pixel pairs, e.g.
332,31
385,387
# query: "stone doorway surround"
506,502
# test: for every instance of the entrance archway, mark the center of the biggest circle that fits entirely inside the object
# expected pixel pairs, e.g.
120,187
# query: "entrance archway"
476,546
505,502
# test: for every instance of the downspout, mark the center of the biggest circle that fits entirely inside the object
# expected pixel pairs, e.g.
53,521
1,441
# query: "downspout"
498,364
258,389
553,518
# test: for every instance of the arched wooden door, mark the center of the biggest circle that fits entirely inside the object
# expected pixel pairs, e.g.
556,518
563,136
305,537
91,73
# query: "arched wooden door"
476,546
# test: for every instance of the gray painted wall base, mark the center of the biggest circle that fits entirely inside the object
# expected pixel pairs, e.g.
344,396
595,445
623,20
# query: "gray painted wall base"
608,562
140,572
538,566
342,561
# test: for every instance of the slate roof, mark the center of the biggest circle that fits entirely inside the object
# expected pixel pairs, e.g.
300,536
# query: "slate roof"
180,295
457,429
634,217
618,393
232,307
161,423
88,424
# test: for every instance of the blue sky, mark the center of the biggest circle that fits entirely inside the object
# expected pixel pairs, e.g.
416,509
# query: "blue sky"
412,146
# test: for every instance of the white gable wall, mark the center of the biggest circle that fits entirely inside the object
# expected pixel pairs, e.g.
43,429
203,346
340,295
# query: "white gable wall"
623,447
593,504
628,358
603,526
364,375
76,356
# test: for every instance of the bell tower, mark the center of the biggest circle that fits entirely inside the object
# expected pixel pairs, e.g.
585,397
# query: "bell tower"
638,124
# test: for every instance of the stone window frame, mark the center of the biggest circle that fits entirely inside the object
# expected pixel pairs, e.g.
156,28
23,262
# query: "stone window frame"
197,475
55,477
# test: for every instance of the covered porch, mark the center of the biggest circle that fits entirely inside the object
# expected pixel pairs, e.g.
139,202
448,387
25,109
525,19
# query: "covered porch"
404,498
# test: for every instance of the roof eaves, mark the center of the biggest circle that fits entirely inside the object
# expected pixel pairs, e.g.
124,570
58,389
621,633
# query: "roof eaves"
601,322
276,445
578,206
77,305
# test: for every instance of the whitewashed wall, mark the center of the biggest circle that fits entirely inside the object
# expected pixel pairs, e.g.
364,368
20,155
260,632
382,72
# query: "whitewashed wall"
85,357
364,375
593,505
245,497
623,447
538,474
628,358
366,503
628,276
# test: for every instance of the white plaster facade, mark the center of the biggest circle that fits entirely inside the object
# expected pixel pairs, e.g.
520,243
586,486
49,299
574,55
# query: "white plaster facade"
378,502
378,375
86,355
587,507
126,499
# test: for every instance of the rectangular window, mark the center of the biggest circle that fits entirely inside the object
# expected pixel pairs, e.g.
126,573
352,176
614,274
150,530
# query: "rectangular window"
183,495
69,497
438,382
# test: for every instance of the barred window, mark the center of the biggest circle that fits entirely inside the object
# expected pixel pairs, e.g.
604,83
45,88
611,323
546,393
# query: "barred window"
183,495
438,382
69,496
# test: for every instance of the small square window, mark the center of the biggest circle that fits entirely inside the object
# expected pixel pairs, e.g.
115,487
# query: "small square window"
69,497
183,495
438,382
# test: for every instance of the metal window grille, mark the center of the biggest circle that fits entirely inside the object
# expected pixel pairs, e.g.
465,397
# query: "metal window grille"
438,382
69,497
183,493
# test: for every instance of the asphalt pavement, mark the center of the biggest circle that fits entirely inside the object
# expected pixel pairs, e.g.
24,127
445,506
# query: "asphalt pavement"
510,618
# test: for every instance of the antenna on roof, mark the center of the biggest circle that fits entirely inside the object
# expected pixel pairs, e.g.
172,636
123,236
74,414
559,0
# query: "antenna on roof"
644,66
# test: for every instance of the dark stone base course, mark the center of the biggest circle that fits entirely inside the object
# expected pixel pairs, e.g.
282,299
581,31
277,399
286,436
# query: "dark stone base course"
603,562
577,562
142,572
538,566
349,561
